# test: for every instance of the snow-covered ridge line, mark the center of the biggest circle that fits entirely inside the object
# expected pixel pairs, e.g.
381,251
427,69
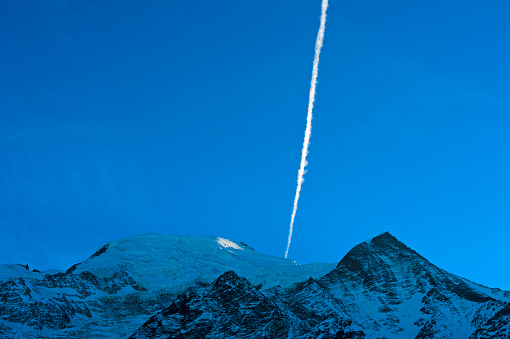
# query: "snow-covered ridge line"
380,288
136,276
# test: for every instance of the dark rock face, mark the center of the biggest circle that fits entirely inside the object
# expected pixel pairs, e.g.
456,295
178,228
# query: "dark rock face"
86,283
17,305
100,251
231,307
497,327
376,280
96,254
55,300
120,280
380,289
246,246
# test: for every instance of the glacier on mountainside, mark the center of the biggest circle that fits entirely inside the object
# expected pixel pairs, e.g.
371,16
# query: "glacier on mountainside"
125,281
161,286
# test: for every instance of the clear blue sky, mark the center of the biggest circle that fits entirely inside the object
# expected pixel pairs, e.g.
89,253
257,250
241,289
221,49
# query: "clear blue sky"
187,117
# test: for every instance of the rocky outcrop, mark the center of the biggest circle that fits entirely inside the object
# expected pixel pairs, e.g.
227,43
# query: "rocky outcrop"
62,302
19,304
497,327
393,291
380,289
86,283
231,307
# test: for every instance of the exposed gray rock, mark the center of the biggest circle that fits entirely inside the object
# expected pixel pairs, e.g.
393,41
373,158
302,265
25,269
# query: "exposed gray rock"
231,307
380,289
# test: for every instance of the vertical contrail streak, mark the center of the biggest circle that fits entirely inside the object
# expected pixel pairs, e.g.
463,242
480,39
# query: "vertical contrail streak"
308,131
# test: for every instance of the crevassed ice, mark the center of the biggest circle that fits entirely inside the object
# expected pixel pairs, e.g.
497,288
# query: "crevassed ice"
227,243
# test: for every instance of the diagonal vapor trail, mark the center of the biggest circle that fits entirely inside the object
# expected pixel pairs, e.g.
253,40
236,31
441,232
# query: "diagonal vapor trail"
308,131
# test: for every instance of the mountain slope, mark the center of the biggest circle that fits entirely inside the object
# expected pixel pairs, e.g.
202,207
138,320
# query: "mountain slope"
231,307
155,286
381,288
126,281
174,262
391,290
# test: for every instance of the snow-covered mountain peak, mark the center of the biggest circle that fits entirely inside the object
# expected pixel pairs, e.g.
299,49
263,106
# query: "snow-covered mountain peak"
385,241
383,247
381,288
225,243
174,262
391,283
385,236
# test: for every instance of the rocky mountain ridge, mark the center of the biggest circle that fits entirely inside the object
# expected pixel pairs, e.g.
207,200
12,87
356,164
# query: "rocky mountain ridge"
118,288
380,289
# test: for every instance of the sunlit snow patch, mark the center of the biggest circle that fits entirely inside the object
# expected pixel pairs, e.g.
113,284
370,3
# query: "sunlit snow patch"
227,243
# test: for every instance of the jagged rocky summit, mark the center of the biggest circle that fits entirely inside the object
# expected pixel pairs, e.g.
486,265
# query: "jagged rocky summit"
154,286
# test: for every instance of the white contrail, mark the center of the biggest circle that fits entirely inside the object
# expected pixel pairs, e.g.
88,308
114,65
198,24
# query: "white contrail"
308,132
